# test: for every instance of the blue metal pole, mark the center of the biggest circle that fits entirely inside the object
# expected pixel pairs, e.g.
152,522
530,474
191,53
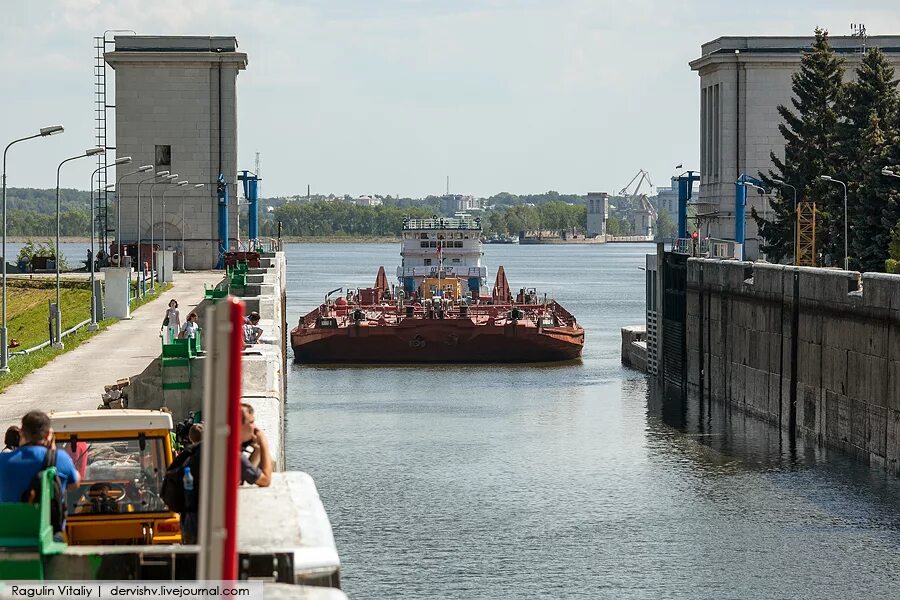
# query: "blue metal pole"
740,204
683,187
251,193
222,194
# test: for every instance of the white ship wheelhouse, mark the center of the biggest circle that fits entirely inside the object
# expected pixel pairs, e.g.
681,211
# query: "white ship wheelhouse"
442,246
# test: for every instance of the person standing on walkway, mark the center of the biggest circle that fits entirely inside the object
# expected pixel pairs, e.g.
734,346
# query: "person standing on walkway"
190,327
172,322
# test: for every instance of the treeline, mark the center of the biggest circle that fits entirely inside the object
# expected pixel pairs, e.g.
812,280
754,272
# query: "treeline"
44,201
72,222
552,216
340,218
849,132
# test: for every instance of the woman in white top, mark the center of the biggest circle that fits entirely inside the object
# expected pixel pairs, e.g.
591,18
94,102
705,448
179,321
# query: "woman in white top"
171,322
190,327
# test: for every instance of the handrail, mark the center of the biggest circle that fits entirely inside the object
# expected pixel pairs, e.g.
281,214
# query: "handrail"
69,331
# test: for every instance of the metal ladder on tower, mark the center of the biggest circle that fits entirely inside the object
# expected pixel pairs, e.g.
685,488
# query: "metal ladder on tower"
100,195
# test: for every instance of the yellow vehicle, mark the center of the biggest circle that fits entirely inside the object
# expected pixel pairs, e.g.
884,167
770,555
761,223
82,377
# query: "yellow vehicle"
121,457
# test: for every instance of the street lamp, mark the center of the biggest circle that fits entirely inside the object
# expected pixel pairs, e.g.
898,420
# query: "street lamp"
165,191
887,172
166,179
183,202
42,132
57,343
143,169
138,235
796,241
846,223
92,326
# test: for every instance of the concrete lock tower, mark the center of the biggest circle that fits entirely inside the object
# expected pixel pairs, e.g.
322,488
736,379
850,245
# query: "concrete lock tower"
176,109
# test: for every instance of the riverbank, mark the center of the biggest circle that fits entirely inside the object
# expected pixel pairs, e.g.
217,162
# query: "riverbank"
63,239
340,239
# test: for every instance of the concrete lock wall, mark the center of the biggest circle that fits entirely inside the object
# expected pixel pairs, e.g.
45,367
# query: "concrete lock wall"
836,380
264,365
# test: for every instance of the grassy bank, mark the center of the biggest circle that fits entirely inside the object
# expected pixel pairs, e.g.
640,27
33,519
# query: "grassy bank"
28,316
28,308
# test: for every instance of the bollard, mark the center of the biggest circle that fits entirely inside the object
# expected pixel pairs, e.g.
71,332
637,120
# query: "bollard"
220,470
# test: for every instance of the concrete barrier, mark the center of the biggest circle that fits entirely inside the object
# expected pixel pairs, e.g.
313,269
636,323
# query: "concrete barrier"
814,351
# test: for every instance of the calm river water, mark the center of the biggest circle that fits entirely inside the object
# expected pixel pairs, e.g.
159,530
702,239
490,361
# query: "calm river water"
568,482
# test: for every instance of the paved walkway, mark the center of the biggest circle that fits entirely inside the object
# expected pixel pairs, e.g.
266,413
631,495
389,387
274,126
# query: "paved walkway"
75,380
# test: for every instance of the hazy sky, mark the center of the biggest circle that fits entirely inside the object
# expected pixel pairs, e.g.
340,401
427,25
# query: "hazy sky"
391,96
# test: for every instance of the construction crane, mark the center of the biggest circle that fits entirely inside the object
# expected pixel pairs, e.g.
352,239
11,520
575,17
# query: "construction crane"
644,176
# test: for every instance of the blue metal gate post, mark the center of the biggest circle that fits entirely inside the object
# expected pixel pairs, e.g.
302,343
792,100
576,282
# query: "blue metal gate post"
685,191
222,194
251,193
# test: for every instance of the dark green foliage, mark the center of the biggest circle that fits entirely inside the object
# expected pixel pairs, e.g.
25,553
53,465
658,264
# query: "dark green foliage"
808,130
666,228
866,141
558,217
342,219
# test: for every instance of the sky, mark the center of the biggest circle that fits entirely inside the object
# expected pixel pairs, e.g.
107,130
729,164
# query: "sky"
392,96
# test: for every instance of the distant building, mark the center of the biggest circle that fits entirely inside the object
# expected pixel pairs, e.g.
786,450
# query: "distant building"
454,203
643,218
666,199
597,213
368,201
742,82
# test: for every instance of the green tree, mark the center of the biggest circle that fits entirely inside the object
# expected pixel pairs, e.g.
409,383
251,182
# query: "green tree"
808,130
666,229
865,143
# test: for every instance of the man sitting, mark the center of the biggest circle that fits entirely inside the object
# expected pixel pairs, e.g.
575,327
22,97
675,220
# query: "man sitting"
252,330
18,468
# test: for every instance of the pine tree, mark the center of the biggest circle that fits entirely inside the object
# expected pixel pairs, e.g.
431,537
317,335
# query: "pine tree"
867,110
808,131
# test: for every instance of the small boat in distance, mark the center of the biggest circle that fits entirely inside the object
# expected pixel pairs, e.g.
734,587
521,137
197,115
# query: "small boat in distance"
440,311
502,239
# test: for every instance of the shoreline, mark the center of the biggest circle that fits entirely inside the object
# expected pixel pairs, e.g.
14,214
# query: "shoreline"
290,239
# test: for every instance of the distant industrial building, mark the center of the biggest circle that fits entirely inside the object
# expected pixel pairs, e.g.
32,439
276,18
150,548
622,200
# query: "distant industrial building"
743,80
597,213
643,218
454,203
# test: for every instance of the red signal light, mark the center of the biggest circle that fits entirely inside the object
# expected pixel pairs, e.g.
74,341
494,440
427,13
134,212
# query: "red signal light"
695,235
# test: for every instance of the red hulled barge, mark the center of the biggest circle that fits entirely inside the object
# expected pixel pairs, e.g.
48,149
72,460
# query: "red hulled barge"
440,311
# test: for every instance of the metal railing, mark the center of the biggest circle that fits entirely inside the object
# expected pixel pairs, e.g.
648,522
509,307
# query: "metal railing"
443,223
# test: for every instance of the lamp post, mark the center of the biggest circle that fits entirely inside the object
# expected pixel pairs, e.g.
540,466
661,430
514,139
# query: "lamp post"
137,234
183,201
57,343
142,169
781,183
92,326
846,223
177,185
43,132
166,179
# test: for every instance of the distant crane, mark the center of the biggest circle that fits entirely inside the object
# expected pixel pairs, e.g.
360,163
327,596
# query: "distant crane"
644,176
